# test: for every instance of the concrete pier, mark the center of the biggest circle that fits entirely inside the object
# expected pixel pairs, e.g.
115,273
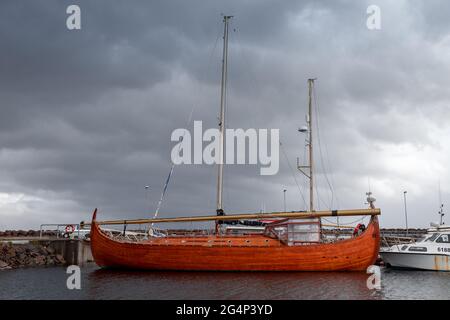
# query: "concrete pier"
74,251
28,250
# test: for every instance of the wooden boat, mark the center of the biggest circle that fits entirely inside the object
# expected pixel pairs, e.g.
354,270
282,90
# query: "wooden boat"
259,252
292,242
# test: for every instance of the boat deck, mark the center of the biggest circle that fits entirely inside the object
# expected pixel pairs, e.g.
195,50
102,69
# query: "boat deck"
210,240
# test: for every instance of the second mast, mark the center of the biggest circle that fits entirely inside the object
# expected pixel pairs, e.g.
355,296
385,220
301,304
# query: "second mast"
222,116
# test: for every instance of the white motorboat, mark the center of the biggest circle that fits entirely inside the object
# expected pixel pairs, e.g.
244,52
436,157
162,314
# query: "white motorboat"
432,252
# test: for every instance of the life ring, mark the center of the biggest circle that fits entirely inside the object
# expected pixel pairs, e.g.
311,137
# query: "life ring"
70,228
360,228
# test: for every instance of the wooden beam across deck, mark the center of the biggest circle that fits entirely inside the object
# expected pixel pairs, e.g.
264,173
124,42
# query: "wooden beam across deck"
257,216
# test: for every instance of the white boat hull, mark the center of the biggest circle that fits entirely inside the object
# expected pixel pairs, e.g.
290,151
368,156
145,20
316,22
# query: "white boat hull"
436,262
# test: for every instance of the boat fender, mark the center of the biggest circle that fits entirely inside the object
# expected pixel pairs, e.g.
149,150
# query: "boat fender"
360,228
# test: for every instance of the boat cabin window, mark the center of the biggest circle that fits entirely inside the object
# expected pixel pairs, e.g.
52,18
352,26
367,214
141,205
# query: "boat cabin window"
433,237
445,238
418,249
422,239
296,231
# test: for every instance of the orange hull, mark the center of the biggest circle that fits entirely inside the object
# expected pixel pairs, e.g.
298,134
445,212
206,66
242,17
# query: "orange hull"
232,253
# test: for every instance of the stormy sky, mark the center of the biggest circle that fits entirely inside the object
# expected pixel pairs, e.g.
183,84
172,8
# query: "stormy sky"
86,115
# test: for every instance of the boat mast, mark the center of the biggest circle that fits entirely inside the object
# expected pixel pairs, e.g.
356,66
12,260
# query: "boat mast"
310,167
310,144
219,210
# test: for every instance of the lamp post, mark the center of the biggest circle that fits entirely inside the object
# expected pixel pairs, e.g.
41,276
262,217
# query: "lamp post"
406,212
284,198
147,189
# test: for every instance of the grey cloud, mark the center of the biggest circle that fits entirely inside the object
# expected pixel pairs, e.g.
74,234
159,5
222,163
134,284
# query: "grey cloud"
86,116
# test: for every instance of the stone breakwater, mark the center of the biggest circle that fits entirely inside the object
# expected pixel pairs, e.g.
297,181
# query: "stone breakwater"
26,233
28,255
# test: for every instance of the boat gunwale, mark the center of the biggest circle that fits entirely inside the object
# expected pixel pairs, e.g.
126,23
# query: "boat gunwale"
370,226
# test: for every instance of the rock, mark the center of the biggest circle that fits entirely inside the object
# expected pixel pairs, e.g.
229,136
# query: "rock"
5,248
18,249
49,261
3,265
21,257
39,260
60,259
29,247
50,250
11,251
42,251
50,233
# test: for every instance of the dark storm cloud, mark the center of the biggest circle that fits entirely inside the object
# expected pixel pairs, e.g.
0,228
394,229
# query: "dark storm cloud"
86,116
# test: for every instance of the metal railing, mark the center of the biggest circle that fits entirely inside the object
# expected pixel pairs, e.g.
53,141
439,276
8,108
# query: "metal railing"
389,241
58,230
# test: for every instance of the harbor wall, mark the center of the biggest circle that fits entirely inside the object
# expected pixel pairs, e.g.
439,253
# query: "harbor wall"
15,253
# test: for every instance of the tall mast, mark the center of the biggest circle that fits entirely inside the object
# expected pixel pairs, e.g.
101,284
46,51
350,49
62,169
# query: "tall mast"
310,167
222,116
310,145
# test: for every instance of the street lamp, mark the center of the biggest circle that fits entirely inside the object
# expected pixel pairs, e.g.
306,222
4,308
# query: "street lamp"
406,212
147,188
284,198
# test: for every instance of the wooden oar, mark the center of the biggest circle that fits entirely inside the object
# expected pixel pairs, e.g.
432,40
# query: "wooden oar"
257,216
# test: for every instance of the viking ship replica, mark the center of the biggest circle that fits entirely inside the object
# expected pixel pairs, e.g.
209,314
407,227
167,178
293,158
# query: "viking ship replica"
279,241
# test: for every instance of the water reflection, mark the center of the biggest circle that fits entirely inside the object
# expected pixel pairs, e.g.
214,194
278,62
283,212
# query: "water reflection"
50,283
230,285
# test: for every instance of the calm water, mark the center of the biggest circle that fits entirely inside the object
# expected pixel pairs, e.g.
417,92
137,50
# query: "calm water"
50,283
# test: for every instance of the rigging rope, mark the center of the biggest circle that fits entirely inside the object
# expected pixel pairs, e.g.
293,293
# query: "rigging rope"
351,222
163,192
172,166
292,173
330,183
320,148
